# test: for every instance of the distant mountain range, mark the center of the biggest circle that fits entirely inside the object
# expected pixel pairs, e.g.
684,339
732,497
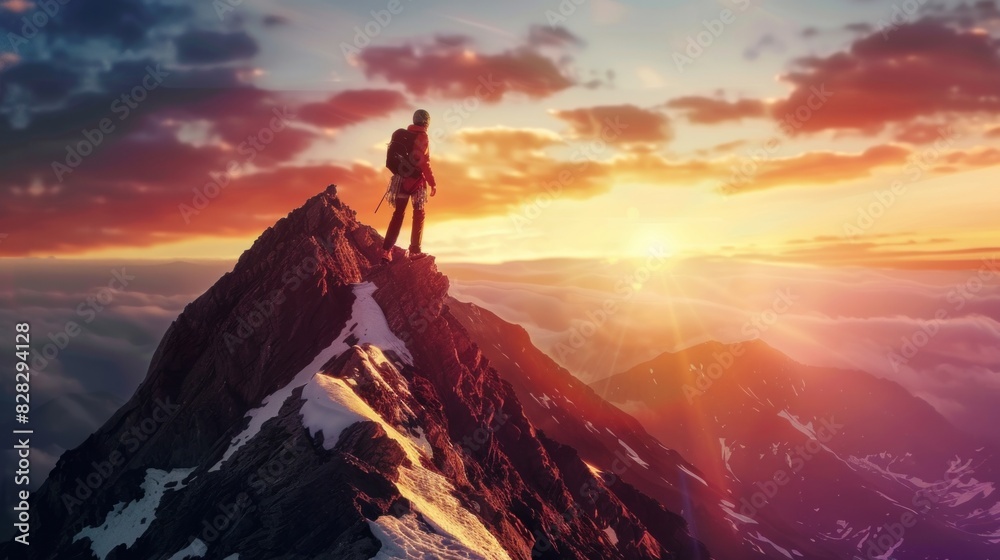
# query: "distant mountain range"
855,462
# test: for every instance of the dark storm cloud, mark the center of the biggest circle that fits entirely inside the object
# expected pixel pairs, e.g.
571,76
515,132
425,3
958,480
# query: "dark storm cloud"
201,47
44,81
125,23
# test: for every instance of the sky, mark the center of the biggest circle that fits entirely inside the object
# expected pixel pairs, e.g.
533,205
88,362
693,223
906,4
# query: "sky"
849,133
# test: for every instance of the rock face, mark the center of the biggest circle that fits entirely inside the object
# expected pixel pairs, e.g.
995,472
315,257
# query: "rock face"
647,476
316,404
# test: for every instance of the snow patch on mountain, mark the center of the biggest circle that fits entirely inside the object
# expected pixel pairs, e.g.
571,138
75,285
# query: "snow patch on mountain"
806,429
330,406
125,523
632,454
196,549
727,454
406,538
420,441
728,506
687,471
810,432
762,539
332,400
372,326
367,323
544,401
958,486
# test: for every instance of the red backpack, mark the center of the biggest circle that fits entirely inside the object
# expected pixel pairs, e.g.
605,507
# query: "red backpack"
399,157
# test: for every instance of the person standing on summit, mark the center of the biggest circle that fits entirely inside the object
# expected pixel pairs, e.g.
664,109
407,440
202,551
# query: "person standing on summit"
409,159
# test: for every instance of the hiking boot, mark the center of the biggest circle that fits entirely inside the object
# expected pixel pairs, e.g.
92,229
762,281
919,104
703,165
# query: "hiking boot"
386,255
417,255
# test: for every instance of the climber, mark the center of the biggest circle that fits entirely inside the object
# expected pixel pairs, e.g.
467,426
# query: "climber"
409,158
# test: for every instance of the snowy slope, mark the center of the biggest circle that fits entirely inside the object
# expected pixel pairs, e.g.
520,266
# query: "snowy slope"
331,405
367,323
127,522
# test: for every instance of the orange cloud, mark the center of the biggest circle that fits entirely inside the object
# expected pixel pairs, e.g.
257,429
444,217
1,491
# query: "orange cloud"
352,107
960,160
817,168
920,132
181,171
498,141
130,195
617,123
447,67
102,214
708,110
925,68
723,148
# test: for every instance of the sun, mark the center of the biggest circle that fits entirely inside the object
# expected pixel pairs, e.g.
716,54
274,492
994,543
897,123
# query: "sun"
651,240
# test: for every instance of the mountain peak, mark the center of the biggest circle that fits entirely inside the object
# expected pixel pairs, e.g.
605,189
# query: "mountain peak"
324,229
312,384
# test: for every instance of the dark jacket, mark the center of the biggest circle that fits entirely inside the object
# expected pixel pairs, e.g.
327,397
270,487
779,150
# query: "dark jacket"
421,147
